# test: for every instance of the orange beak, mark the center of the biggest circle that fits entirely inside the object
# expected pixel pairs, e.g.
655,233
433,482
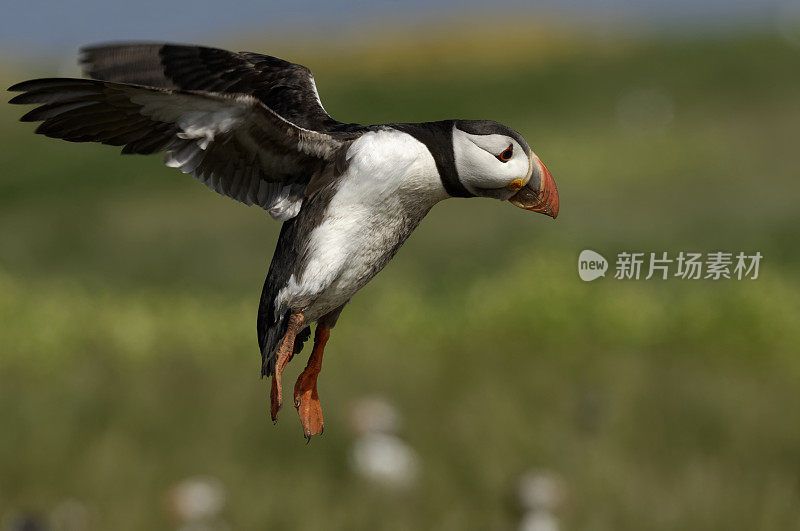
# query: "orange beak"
540,194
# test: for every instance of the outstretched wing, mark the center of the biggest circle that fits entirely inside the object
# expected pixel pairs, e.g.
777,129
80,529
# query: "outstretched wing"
286,88
233,142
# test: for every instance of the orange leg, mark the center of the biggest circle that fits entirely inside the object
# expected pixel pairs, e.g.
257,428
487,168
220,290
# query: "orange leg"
306,399
284,354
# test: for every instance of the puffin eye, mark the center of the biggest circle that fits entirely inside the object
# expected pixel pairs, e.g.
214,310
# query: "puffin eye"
505,156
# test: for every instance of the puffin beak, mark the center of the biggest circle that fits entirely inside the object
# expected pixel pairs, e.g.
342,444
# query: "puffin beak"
540,193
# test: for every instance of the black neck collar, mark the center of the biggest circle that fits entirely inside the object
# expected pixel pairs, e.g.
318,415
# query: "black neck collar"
438,138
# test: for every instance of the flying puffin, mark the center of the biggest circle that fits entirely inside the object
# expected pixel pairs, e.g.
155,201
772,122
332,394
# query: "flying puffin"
252,127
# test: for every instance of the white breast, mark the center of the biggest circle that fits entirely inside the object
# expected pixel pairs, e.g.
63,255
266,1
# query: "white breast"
389,186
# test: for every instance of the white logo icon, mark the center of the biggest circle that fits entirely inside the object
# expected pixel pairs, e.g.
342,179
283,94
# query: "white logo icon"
591,265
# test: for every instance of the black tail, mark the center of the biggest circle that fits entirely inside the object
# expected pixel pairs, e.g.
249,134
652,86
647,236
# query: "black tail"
271,330
272,320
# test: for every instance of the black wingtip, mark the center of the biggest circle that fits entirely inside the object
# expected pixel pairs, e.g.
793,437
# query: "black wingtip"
22,99
16,100
46,82
33,84
30,116
44,89
19,99
18,87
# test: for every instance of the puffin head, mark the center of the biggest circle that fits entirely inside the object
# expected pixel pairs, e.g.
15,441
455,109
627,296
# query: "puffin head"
493,160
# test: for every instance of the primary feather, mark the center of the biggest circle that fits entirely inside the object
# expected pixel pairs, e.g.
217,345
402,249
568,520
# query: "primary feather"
232,142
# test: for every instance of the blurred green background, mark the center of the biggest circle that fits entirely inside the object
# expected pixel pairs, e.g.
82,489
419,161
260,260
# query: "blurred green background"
128,297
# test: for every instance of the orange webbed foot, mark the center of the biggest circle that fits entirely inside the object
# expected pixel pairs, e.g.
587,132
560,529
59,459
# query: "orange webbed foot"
283,356
275,398
306,400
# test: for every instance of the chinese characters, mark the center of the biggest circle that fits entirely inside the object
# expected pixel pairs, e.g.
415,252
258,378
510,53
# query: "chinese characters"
688,266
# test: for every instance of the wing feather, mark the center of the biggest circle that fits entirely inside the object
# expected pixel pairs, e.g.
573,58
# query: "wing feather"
234,143
286,88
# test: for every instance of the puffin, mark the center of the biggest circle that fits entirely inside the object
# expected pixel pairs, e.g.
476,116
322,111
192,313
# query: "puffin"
252,127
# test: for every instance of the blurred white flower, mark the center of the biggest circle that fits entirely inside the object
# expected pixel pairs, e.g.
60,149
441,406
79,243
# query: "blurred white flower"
385,459
538,521
541,490
540,493
378,454
197,500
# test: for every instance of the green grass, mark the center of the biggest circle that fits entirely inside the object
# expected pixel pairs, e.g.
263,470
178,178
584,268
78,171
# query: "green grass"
128,296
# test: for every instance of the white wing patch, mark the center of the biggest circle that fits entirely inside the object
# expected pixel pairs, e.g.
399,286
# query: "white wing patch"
198,118
285,205
201,122
204,126
233,143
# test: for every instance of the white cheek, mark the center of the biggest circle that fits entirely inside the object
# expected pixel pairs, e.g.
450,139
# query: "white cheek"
518,167
478,169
